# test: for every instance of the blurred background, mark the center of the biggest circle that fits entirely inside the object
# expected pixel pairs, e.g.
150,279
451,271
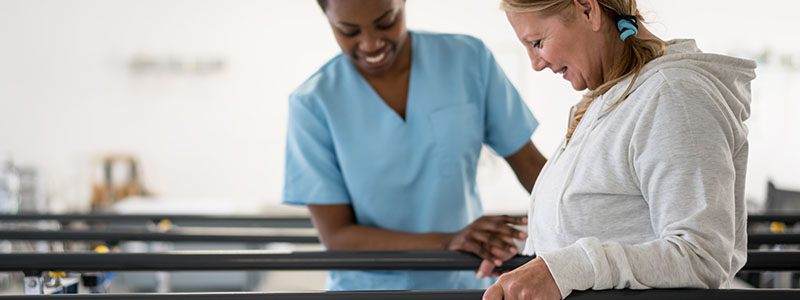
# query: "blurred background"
182,104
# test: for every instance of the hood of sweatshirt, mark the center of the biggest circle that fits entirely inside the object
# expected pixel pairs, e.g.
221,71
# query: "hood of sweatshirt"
732,75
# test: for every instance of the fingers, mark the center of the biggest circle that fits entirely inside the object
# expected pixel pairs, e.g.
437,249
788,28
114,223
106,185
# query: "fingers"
494,292
485,269
502,242
465,241
504,254
500,225
494,241
530,281
490,237
516,220
487,252
487,239
479,250
500,251
509,219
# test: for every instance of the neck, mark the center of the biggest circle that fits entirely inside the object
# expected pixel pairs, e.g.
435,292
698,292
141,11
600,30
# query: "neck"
616,49
611,54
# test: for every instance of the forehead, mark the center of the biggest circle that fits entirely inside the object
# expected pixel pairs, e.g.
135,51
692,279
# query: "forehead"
532,23
360,11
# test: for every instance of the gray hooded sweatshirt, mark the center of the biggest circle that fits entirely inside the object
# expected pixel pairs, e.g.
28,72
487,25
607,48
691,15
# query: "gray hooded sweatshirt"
650,194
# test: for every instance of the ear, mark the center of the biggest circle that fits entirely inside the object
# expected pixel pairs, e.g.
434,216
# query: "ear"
589,11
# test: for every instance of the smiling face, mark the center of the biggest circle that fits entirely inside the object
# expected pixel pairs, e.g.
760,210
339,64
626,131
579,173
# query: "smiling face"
371,32
573,42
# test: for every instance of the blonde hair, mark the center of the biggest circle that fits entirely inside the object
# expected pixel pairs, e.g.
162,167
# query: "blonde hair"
637,51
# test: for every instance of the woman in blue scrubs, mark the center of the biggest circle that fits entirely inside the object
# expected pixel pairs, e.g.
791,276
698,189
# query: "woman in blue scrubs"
383,145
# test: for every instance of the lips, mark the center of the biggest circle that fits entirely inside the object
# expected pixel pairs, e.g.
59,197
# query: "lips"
376,59
562,71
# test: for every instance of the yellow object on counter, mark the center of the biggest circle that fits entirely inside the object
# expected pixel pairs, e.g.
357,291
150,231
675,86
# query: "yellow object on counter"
777,227
164,225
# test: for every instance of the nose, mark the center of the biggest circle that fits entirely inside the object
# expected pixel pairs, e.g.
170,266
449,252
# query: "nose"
371,42
537,62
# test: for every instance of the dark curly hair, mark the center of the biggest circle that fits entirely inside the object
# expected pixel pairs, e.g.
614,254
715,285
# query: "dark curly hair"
324,4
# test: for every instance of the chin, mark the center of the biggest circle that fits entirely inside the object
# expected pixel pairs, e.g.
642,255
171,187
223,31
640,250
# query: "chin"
578,86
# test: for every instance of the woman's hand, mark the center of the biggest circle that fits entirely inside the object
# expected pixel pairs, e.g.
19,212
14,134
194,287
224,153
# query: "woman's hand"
530,281
490,237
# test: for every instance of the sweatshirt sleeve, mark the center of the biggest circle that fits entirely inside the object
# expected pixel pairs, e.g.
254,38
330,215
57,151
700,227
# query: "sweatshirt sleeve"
681,154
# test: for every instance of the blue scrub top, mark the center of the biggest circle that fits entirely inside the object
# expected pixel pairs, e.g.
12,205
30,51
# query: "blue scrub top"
346,146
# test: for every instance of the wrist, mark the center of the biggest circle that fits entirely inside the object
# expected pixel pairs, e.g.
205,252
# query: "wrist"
444,240
570,268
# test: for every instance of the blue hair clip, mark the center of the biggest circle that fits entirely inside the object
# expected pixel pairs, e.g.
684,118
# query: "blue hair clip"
627,26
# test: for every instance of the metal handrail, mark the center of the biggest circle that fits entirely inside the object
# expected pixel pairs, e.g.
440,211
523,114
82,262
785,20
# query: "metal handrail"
188,220
320,260
254,220
755,240
655,294
785,218
246,260
251,235
176,235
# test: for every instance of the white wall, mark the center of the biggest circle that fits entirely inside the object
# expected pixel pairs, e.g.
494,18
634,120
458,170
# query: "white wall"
68,94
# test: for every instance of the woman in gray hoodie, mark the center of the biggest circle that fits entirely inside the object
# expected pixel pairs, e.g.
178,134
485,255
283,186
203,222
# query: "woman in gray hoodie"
646,190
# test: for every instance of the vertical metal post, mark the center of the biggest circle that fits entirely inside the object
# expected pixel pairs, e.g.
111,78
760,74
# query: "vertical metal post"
779,279
162,278
253,278
162,282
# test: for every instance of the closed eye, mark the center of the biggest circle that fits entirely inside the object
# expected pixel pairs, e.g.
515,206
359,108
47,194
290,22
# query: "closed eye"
381,24
350,33
537,44
387,26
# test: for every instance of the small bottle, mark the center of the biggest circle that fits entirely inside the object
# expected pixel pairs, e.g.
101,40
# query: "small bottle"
3,192
9,189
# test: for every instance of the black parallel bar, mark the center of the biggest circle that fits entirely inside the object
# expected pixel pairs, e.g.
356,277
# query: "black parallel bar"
254,220
772,261
754,240
247,260
773,218
331,260
127,235
687,294
194,220
665,294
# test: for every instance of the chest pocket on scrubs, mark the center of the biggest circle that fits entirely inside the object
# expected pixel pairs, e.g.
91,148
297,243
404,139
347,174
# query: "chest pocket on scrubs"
459,135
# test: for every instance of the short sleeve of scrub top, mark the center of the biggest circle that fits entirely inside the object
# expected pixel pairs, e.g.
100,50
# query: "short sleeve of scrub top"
418,174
